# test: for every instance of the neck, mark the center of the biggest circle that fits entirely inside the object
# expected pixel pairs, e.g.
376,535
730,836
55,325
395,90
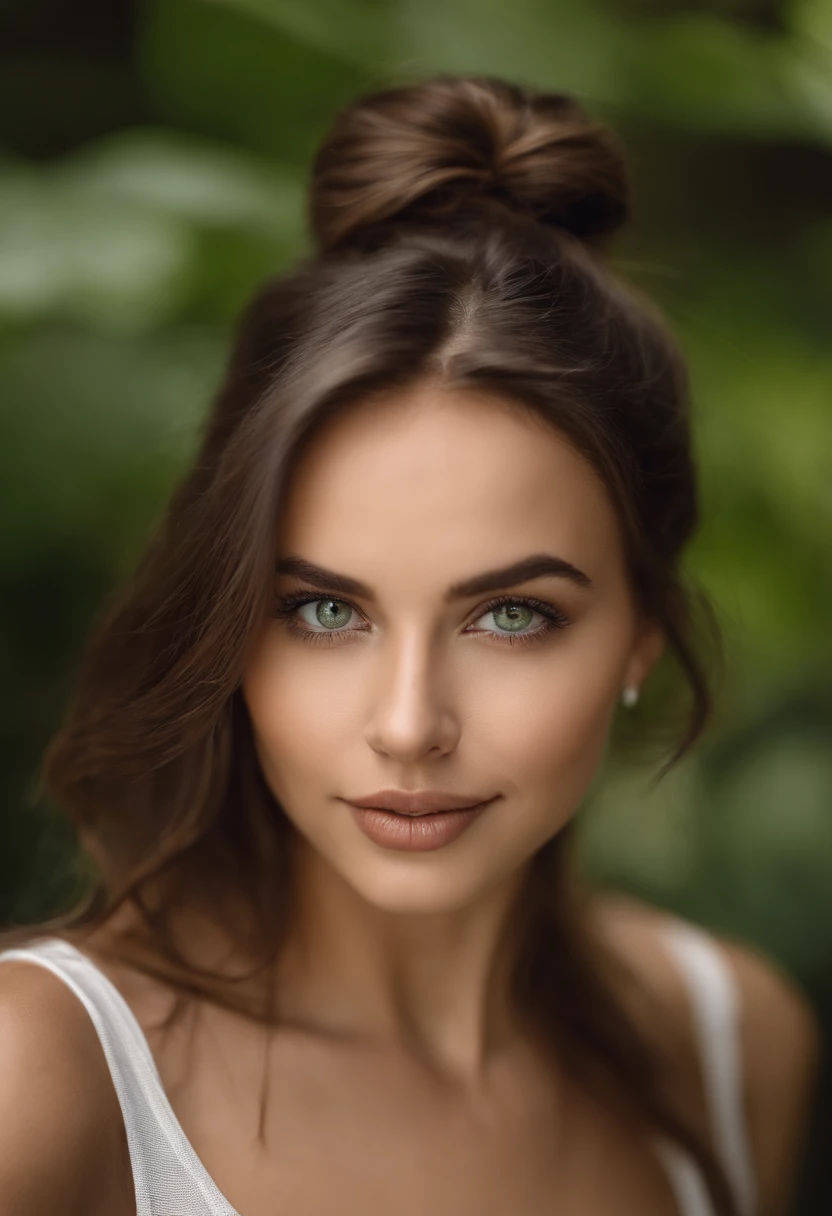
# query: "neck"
434,985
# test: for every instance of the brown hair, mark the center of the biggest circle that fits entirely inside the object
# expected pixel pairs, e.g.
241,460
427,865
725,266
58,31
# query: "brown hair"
458,223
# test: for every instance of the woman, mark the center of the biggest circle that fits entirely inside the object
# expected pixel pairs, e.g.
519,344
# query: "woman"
327,747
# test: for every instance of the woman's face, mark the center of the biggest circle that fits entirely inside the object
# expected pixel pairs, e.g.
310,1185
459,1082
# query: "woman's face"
406,684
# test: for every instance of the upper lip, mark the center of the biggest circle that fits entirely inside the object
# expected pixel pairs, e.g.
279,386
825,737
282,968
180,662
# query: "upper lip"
418,802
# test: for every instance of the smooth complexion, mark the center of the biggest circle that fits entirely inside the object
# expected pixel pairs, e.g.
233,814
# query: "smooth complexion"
403,687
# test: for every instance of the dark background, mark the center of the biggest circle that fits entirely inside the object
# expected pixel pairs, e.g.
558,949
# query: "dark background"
152,162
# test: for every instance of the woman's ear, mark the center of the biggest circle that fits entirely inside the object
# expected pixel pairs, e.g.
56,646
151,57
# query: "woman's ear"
648,648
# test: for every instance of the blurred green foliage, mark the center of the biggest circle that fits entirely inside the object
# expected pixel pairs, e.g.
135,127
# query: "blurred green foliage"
152,165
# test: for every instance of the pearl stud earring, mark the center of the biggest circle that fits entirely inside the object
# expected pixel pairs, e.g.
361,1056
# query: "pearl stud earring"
629,696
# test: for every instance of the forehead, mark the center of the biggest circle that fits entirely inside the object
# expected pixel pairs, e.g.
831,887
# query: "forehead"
443,482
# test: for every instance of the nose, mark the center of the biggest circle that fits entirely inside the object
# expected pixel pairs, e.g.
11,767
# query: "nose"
412,718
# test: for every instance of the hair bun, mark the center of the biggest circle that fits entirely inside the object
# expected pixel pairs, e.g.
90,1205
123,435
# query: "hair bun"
454,145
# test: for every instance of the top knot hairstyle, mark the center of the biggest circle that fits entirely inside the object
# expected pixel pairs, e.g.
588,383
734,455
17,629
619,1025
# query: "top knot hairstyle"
458,223
451,148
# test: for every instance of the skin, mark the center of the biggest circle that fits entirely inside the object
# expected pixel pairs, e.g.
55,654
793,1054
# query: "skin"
396,1032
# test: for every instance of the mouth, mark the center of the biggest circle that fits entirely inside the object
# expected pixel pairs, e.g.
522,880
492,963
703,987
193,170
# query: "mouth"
474,806
416,831
415,804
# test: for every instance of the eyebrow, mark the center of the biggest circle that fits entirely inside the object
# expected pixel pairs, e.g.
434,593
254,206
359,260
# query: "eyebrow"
537,565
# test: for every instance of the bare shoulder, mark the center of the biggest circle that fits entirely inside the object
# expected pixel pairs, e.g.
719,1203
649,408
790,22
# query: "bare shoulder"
62,1140
780,1038
781,1055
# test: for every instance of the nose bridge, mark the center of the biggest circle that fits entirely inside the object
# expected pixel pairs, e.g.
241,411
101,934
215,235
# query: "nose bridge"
412,714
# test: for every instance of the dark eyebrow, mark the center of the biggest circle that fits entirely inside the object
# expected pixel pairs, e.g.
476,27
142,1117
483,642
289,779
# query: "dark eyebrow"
538,565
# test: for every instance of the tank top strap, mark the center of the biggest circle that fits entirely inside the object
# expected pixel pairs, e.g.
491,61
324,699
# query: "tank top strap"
685,1177
715,1004
167,1174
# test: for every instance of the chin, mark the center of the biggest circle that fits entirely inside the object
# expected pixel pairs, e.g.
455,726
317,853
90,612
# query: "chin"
405,886
414,901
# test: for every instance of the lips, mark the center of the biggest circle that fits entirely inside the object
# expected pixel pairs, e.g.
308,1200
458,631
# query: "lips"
415,833
419,802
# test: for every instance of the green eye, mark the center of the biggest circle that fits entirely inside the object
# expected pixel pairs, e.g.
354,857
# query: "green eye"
332,614
512,617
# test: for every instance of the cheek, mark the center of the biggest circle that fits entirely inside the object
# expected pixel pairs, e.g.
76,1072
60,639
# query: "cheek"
547,723
298,714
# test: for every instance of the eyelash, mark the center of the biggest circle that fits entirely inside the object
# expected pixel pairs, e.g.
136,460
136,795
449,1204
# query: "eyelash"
288,605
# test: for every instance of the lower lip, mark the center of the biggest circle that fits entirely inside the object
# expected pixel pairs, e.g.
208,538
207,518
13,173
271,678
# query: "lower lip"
415,833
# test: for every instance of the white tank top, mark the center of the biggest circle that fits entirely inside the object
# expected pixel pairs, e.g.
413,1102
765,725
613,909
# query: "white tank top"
169,1176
